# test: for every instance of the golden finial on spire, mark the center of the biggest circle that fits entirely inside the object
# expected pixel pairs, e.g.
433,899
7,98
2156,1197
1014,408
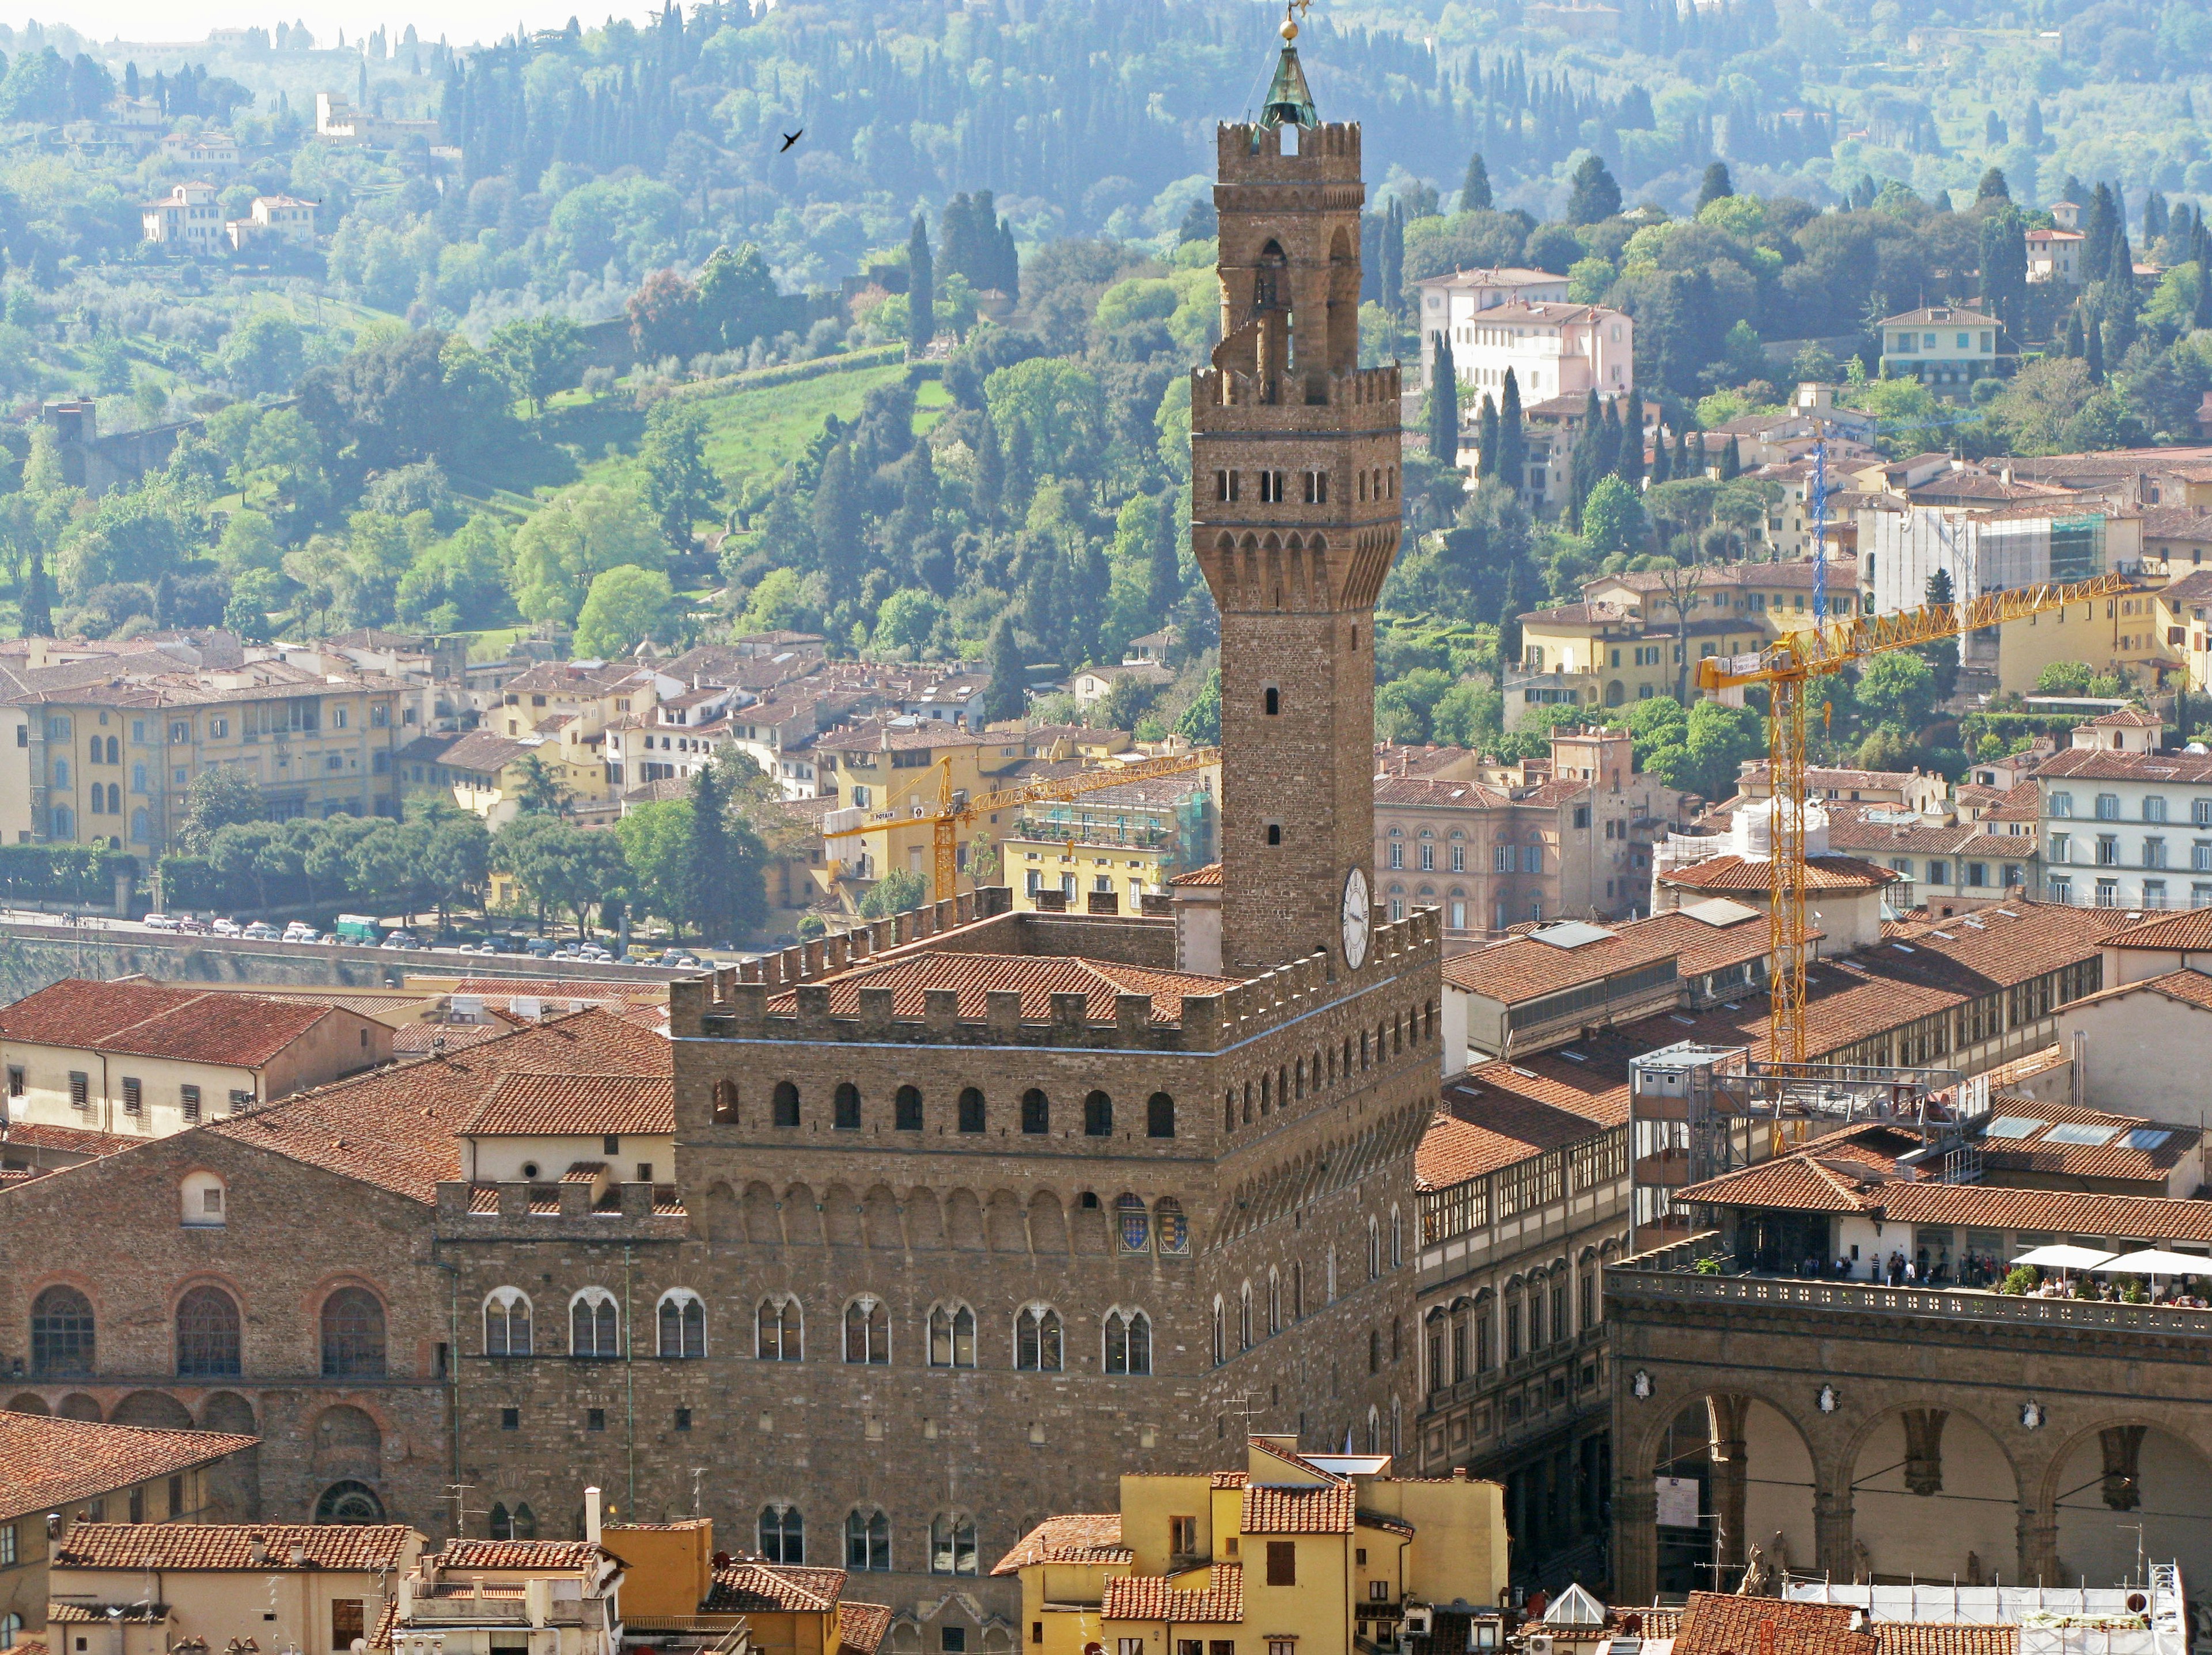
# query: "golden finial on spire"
1292,10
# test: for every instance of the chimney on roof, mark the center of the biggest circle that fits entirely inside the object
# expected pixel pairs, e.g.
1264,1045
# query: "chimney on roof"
591,1515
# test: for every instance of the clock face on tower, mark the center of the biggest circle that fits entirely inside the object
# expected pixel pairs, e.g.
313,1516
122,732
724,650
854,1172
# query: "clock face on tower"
1354,919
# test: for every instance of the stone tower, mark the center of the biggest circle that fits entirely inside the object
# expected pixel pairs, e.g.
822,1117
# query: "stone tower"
1295,520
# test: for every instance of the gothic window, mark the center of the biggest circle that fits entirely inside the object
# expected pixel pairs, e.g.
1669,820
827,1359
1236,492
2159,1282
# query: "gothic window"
867,1540
207,1333
1434,1325
785,1105
1275,1301
847,1106
906,1110
682,1324
951,1336
349,1503
1128,1342
506,1323
1037,1111
726,1102
520,1524
61,1333
868,1333
778,1333
1297,1290
782,1534
593,1324
971,1110
1374,1248
1220,1332
1097,1115
1036,1339
1245,1317
952,1544
353,1333
1397,1239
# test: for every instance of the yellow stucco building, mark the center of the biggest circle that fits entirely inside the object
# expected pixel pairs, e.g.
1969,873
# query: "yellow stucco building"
1296,1554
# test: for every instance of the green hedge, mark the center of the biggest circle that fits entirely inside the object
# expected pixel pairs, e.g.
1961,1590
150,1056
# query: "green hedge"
70,873
189,882
762,379
2008,725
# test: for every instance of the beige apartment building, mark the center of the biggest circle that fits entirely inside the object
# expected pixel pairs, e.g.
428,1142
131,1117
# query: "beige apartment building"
143,1060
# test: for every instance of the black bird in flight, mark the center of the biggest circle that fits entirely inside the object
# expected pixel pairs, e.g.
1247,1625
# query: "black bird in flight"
790,138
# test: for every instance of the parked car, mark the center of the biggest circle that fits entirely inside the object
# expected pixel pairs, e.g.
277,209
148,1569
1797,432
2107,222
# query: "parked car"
193,927
159,922
540,946
225,927
301,931
261,931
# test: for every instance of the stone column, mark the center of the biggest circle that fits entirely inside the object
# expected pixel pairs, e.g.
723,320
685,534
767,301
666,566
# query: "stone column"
1832,1522
1635,1537
1729,1474
2038,1545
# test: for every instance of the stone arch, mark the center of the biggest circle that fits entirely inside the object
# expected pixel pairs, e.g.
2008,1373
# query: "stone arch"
1089,1231
1047,1223
879,1217
228,1411
722,1216
234,1485
2166,1475
925,1219
763,1226
29,1401
1928,1485
841,1217
963,1221
154,1409
1757,1467
1003,1225
802,1216
78,1406
346,1442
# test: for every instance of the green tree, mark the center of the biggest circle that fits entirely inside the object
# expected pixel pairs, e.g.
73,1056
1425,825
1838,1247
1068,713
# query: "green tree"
1613,518
1056,406
680,488
656,841
1007,695
1898,690
1943,658
264,354
2004,267
738,299
908,619
540,792
540,355
1444,405
216,798
456,853
1993,186
897,891
1201,722
566,544
1592,195
1474,188
1467,716
1512,441
1715,185
1716,741
626,605
920,291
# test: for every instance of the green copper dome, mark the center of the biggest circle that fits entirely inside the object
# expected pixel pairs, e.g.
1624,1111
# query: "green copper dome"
1289,101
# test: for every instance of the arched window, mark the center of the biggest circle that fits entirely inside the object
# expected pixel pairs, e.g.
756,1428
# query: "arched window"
1374,1350
207,1333
1037,1111
1435,1326
594,1328
502,1524
1097,1115
506,1323
11,1628
778,1335
1128,1342
785,1105
1245,1317
1374,1431
1220,1331
868,1332
1229,1110
1297,1290
1159,1116
1036,1339
200,1197
1330,1281
726,1102
951,1336
1170,1229
1132,1223
971,1110
349,1503
848,1107
867,1539
682,1324
353,1334
906,1110
1397,1239
1274,1300
952,1544
782,1534
61,1333
1374,1248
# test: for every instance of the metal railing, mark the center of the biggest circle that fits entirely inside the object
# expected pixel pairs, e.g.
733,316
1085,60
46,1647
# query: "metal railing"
1638,1280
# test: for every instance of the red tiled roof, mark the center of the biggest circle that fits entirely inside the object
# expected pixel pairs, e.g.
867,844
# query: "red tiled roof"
1156,1598
46,1463
1208,875
1077,1538
752,1586
519,1555
396,1128
861,1628
2099,764
1717,1624
1481,1130
1733,872
1432,793
1036,977
76,1139
1271,1508
524,1105
231,1545
147,1019
2187,932
1944,1638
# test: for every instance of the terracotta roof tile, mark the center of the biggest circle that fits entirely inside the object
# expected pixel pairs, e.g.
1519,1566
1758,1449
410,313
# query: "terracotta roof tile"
1079,1537
861,1628
46,1463
1943,1637
2099,764
1433,793
528,1104
1733,872
519,1555
1714,1624
1036,977
1271,1508
752,1586
146,1020
1482,1129
231,1545
73,1140
1208,875
2186,932
1156,1598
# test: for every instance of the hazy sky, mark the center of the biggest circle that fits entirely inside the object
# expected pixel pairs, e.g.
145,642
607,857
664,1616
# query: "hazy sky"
460,21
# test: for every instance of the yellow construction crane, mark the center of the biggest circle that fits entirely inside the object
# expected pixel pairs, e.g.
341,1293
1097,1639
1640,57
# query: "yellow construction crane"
952,810
1788,666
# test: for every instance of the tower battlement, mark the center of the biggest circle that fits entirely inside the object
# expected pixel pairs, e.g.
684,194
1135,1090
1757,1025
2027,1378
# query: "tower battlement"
1247,152
1364,401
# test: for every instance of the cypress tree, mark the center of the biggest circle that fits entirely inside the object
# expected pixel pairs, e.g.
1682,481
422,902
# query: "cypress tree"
1474,189
1512,441
2202,316
1582,471
1008,692
1662,472
837,524
1509,616
990,469
1731,462
2073,345
1443,406
1486,441
1716,185
2094,338
1630,469
1681,464
1697,456
920,291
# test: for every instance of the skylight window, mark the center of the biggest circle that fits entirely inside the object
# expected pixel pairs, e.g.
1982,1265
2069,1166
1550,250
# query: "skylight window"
2080,1132
2011,1126
2145,1137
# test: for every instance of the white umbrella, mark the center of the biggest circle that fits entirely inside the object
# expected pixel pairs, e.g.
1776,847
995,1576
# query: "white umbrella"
2155,1261
2061,1257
